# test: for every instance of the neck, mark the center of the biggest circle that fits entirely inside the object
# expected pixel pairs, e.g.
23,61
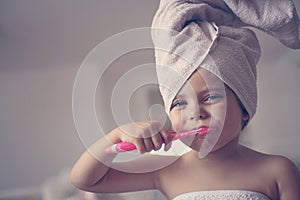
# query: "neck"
229,151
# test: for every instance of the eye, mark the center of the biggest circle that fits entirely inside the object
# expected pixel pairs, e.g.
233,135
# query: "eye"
178,104
212,98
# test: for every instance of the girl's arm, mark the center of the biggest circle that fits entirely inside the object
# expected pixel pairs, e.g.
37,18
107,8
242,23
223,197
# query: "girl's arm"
95,172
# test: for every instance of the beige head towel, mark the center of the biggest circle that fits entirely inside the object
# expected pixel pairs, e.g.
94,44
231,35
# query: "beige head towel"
211,34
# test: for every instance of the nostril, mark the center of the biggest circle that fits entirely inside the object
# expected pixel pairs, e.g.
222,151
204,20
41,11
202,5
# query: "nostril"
195,117
201,115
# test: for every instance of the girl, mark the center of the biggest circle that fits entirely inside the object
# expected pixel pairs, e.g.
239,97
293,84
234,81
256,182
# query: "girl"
207,76
230,169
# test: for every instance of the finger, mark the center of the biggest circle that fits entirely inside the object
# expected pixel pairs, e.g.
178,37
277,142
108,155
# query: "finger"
158,128
155,127
168,146
140,146
166,136
149,146
157,141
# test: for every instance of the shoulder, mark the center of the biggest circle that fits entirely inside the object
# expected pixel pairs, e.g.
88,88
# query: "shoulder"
286,174
280,170
275,164
281,166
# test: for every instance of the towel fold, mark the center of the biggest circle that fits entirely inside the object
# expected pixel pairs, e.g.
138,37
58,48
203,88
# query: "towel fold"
213,35
278,18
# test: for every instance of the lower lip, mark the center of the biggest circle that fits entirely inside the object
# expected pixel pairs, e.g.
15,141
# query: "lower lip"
201,136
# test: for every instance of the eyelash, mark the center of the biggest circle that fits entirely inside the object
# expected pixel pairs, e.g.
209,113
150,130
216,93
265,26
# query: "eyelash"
212,97
179,103
208,99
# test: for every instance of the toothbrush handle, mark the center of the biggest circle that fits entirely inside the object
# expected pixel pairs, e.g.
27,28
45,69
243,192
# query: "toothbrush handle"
127,146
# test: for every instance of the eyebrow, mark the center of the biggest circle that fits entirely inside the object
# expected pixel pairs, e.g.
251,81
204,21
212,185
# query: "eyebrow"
215,89
203,91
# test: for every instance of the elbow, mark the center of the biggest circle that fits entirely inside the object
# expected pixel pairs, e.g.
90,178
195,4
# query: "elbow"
76,181
81,183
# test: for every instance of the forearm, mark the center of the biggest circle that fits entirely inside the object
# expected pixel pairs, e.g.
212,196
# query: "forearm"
93,164
92,171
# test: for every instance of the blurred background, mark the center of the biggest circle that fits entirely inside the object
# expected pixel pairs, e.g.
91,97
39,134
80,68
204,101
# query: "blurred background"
42,45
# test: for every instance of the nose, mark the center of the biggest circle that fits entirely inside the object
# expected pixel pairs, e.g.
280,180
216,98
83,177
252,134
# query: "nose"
198,114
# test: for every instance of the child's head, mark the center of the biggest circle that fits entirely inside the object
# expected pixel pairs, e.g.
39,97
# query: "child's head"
204,100
230,53
211,35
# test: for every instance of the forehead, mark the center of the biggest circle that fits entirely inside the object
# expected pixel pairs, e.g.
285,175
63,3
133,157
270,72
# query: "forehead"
202,80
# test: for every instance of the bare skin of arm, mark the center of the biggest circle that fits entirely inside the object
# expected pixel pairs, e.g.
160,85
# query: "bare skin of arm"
95,172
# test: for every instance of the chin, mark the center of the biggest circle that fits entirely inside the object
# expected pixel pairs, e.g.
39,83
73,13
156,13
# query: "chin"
205,146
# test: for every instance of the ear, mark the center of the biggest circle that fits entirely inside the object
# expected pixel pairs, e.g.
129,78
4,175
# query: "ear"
246,117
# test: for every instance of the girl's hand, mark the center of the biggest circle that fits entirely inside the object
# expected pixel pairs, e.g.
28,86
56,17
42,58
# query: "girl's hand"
145,135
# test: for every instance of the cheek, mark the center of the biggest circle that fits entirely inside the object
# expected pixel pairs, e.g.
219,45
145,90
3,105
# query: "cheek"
218,112
176,120
234,118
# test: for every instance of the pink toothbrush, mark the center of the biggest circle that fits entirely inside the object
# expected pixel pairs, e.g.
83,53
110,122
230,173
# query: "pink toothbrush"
127,146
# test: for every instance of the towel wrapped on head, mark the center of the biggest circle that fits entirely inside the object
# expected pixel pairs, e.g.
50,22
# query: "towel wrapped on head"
212,34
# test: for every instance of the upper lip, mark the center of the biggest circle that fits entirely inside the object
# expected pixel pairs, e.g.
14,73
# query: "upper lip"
204,132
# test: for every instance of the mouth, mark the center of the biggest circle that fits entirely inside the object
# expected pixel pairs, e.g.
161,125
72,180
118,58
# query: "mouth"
203,131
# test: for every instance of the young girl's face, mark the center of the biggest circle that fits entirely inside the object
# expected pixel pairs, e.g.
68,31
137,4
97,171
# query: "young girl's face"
204,101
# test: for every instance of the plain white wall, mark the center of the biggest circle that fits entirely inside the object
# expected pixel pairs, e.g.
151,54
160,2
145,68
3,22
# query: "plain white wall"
42,44
275,127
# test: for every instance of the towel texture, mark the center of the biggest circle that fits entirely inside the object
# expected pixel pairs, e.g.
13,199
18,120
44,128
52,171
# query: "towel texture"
213,35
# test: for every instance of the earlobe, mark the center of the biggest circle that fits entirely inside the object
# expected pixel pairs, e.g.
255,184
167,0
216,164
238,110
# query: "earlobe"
246,117
245,120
